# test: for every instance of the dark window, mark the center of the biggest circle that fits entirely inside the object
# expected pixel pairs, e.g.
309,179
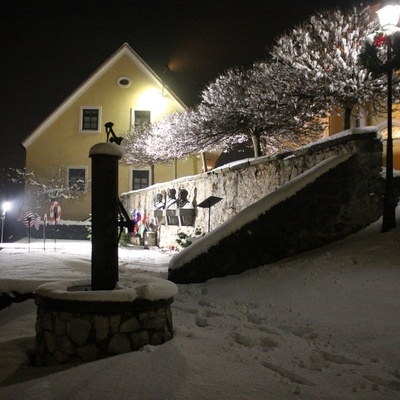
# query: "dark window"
142,117
140,179
90,119
77,178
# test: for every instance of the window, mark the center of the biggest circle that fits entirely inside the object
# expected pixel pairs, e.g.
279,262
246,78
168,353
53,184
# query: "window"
90,119
139,117
140,179
77,178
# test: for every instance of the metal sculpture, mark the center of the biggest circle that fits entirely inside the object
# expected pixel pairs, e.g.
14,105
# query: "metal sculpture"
109,130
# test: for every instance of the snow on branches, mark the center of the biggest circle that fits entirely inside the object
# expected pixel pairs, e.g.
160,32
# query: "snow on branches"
40,190
276,104
323,53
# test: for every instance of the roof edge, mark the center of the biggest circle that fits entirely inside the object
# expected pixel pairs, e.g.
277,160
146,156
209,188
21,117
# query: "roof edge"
125,49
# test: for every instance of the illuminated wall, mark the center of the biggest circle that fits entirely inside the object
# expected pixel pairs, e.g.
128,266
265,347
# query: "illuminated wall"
124,83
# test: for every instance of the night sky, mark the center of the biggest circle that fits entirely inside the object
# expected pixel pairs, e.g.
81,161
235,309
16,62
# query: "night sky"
49,47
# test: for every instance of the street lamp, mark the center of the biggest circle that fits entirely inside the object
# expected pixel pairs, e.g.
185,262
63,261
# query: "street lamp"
4,208
388,14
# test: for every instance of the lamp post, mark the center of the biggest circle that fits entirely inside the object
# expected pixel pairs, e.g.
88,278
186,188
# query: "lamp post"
388,14
4,208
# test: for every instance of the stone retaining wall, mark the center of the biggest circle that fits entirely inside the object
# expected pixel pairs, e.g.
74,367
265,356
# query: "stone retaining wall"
329,205
76,331
242,184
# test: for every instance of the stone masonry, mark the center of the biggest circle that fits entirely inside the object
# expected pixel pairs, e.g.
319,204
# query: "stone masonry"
73,331
242,184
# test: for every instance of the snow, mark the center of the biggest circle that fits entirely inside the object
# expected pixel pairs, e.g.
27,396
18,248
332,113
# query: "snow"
242,163
108,149
140,287
251,213
321,325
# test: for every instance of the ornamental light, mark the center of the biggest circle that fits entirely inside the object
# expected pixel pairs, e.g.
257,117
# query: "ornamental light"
389,14
5,207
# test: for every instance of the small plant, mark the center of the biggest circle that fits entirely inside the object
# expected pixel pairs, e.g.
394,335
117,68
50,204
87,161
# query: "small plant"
185,240
89,231
125,238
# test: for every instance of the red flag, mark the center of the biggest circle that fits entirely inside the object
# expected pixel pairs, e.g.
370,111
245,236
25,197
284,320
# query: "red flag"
144,218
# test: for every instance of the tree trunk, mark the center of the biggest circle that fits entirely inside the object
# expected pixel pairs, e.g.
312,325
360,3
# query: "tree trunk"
255,138
152,174
347,118
175,168
203,161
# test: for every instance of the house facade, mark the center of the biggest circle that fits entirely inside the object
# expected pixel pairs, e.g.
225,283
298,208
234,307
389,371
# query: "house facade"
364,118
124,91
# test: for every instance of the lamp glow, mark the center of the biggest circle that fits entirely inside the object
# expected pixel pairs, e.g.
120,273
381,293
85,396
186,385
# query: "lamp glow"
154,100
6,206
389,14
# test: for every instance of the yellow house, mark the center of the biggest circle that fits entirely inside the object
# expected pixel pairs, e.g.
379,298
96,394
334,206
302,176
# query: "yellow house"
125,91
362,118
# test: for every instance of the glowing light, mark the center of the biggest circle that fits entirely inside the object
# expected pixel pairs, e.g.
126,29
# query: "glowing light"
389,14
6,207
154,101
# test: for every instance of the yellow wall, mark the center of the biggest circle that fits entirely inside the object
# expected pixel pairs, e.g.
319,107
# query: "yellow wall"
336,126
63,145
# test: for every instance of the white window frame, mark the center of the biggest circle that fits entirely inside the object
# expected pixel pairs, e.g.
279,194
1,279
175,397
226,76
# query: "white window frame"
133,110
83,167
89,131
139,169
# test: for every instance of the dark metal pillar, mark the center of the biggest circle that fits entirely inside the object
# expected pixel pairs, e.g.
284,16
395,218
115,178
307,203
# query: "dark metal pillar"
389,199
105,157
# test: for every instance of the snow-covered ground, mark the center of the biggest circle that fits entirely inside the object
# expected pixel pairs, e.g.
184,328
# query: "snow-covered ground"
322,325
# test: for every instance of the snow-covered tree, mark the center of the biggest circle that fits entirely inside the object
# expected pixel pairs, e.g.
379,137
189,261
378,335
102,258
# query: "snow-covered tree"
323,53
40,191
285,121
252,106
276,104
240,106
134,144
224,113
176,136
172,137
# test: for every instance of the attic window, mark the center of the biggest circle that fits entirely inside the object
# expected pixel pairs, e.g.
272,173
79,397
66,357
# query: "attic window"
90,119
124,82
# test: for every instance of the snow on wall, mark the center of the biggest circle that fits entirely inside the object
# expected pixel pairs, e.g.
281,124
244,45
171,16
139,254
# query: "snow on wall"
326,203
242,183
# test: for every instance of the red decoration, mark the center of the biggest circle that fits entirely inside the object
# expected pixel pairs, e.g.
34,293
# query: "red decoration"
379,40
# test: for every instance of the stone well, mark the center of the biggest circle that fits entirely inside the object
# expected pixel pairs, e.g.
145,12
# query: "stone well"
76,324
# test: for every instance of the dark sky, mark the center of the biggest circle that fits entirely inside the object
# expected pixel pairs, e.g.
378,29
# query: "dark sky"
49,47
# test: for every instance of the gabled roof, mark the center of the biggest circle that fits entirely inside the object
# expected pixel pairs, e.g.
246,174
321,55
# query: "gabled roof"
125,49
